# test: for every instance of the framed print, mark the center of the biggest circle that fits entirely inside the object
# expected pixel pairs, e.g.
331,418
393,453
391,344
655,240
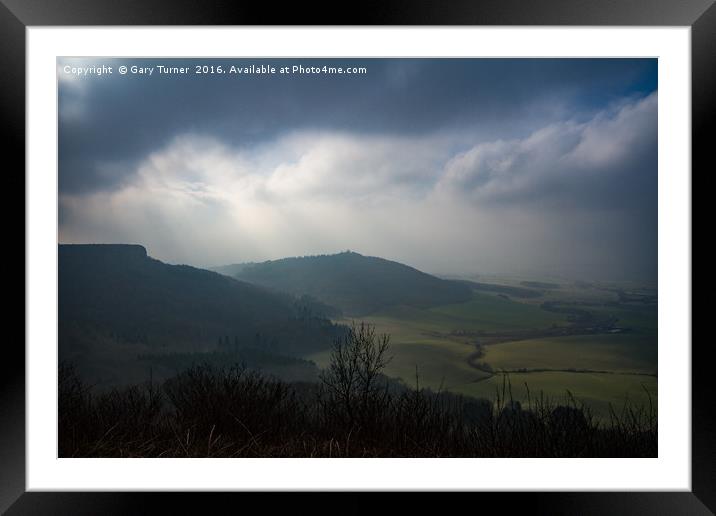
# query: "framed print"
428,249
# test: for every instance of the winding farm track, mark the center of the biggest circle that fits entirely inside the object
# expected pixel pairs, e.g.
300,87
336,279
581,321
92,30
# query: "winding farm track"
474,357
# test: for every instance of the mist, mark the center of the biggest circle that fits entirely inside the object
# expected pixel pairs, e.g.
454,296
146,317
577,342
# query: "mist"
541,167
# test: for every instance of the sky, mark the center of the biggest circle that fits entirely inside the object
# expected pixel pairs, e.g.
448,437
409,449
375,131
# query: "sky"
542,167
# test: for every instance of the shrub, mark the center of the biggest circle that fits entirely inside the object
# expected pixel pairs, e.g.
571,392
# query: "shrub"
355,411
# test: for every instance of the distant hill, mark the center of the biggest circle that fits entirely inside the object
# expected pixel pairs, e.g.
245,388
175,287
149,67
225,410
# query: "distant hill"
117,295
231,270
356,284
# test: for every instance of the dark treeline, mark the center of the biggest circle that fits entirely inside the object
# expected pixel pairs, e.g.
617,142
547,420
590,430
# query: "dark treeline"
506,290
288,368
353,411
543,285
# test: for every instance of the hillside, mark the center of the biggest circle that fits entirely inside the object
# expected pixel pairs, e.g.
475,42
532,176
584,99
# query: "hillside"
356,284
116,294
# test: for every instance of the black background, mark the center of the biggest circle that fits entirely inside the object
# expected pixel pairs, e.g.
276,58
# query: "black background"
16,15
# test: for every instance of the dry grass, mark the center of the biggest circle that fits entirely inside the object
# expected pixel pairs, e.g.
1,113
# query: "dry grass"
354,412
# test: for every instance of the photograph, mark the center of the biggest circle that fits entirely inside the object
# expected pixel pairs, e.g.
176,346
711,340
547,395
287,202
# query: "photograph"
419,249
357,257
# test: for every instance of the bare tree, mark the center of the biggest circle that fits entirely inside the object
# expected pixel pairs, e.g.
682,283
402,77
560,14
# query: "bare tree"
351,380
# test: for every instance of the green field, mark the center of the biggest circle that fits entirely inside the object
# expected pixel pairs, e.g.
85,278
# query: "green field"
430,340
490,312
621,353
597,391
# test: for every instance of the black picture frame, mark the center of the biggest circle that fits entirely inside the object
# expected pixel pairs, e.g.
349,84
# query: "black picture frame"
17,15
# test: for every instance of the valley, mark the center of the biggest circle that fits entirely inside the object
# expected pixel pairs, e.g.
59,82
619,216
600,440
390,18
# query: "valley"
472,348
124,316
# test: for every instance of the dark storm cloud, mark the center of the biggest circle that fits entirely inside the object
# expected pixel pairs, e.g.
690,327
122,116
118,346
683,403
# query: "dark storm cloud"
450,165
607,162
108,124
